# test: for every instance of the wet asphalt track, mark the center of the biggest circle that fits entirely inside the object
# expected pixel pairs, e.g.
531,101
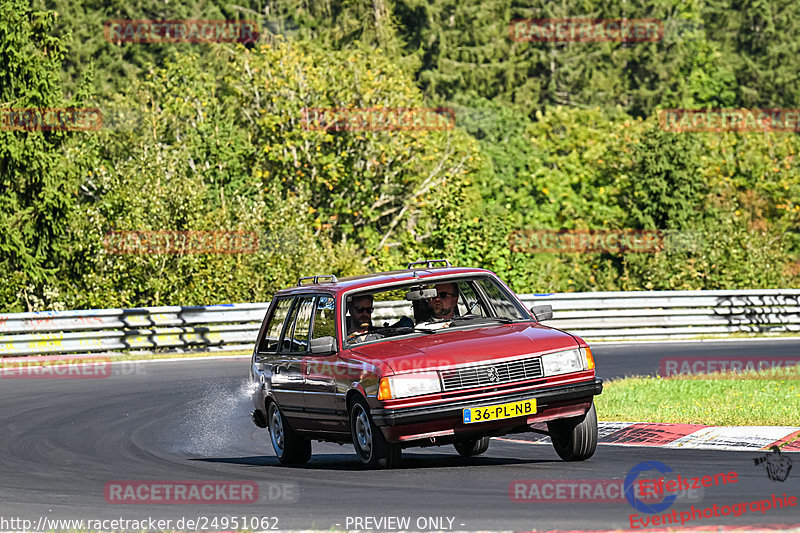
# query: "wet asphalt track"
63,440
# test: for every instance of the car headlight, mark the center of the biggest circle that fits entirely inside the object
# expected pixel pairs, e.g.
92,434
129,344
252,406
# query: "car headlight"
406,385
567,361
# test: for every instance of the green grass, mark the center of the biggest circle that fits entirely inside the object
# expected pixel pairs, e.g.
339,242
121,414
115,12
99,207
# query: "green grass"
767,398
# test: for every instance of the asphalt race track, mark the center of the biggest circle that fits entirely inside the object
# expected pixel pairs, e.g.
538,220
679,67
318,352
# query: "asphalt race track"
64,440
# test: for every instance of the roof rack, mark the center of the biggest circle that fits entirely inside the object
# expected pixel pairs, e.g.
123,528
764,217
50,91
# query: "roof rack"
315,279
429,263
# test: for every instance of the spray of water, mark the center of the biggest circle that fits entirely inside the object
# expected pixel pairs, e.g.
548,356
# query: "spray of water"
218,421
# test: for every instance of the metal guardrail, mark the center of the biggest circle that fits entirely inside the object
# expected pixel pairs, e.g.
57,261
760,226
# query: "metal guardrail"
594,316
672,314
226,327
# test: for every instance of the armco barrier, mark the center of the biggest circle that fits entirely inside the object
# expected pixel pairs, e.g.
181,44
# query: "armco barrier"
219,327
598,315
672,314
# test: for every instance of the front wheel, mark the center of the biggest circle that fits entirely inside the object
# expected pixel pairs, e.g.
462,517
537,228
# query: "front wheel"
290,447
575,439
372,448
471,447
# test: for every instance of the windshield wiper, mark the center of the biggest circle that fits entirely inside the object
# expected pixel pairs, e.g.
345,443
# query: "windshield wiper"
402,330
443,323
503,319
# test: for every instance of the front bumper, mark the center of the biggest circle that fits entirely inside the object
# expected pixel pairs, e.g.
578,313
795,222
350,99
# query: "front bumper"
452,410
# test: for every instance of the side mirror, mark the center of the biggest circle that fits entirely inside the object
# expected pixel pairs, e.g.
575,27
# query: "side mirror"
322,346
420,294
542,312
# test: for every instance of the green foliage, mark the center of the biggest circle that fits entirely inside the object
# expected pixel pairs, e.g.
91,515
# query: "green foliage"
81,24
371,188
471,49
231,153
661,190
760,41
37,181
726,224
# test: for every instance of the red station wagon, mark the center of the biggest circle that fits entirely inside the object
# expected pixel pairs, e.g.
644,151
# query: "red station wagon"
427,356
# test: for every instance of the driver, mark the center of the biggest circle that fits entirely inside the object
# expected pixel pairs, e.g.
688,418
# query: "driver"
360,309
359,323
443,305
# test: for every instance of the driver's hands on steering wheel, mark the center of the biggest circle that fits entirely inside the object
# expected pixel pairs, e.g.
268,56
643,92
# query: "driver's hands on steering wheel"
364,336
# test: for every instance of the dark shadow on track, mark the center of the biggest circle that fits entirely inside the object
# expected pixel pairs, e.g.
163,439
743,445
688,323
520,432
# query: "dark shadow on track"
336,462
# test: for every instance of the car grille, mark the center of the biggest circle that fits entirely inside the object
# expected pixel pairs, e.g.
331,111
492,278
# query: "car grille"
494,374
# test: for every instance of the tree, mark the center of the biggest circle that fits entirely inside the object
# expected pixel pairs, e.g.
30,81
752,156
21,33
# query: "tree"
759,40
37,180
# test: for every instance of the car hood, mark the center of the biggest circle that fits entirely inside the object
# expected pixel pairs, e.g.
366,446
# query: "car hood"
449,348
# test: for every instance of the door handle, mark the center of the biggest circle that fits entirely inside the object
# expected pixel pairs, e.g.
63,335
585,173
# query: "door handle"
308,370
276,370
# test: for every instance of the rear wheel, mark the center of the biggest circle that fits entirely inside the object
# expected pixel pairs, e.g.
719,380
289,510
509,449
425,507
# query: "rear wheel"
468,448
575,439
290,447
372,448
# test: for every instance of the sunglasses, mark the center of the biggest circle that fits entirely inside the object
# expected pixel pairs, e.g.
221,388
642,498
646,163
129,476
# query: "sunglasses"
364,309
445,295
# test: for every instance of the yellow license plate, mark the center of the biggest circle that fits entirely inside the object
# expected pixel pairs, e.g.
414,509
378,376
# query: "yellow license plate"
499,412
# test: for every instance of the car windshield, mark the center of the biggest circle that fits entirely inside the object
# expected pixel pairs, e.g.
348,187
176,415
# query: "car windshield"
425,308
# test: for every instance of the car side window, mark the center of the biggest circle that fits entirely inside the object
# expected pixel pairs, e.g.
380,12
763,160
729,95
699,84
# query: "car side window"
324,322
499,301
298,340
468,301
272,333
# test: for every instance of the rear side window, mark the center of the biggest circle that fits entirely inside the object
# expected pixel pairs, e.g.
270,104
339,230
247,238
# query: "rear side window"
297,341
272,335
324,324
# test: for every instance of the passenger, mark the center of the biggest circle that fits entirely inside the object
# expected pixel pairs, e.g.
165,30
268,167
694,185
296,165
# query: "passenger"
443,305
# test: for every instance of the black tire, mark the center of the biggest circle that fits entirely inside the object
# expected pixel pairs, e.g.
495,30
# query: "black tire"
372,448
575,439
290,447
471,447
